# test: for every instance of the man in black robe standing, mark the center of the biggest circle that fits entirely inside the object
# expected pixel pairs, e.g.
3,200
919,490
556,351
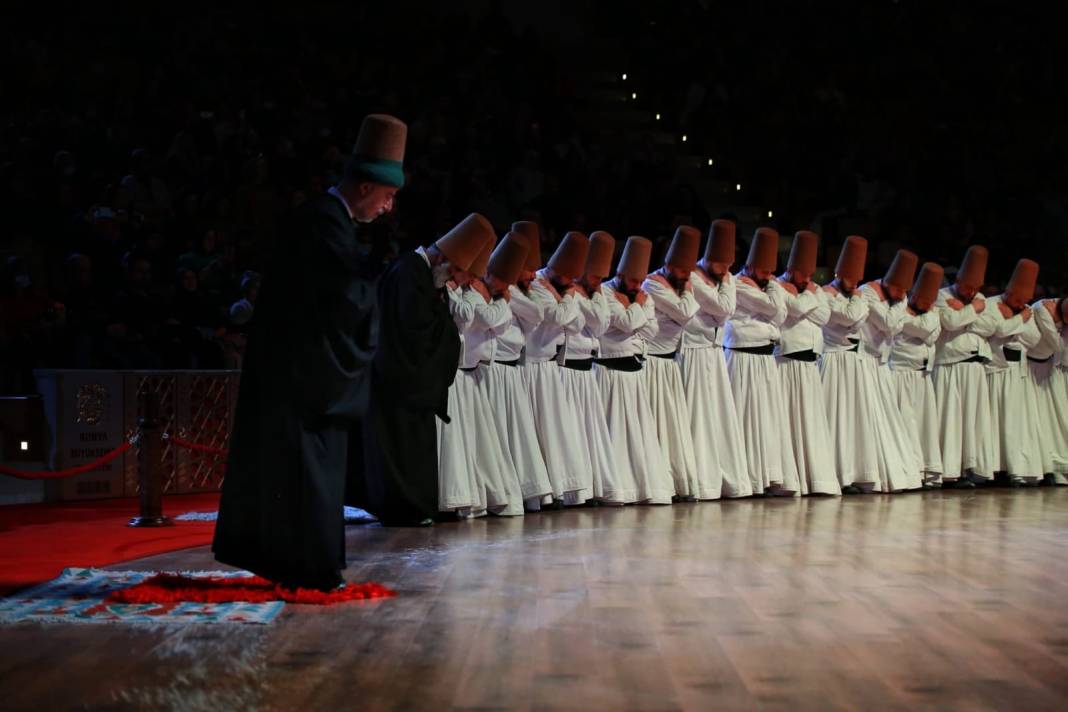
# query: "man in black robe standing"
417,357
305,380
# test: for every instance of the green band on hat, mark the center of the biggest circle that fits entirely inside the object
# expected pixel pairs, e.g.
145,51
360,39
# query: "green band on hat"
380,170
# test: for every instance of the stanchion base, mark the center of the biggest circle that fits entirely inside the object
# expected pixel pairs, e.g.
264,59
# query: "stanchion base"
159,521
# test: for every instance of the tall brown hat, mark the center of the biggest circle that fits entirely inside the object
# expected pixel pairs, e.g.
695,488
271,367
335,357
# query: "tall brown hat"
570,256
972,272
634,262
902,270
462,244
506,262
602,248
851,262
1023,281
478,267
684,248
532,234
803,252
379,150
925,290
764,252
720,247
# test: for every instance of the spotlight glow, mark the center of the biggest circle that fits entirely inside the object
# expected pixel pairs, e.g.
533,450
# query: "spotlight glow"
710,161
23,445
634,95
684,137
738,186
624,76
658,117
771,214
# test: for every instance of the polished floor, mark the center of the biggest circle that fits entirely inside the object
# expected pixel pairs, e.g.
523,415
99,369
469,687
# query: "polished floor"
946,600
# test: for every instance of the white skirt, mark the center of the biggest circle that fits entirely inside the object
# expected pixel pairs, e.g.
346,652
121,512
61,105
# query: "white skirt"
514,417
495,472
1059,393
559,431
850,421
806,426
633,431
916,401
898,454
458,488
1016,445
719,450
667,400
965,432
758,396
610,484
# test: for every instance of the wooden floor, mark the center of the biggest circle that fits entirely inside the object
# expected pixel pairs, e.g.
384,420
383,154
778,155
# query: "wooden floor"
955,600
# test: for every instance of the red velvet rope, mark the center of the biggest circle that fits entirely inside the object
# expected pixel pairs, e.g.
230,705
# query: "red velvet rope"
70,472
198,448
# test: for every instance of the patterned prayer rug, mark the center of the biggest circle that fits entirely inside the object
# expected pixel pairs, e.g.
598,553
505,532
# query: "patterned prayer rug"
79,596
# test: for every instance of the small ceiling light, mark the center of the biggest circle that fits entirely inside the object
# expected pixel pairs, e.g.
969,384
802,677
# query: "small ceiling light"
23,445
658,117
684,137
771,214
738,186
624,76
710,161
634,95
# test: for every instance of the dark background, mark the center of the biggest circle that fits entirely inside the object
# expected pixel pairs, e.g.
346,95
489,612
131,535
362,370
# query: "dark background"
128,138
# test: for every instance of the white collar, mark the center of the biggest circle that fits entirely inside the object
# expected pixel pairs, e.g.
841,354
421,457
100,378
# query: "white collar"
421,251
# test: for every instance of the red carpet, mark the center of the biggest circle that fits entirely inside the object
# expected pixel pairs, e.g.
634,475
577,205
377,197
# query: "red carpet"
167,588
38,541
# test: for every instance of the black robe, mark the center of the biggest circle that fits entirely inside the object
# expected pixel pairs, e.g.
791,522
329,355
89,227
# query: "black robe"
304,384
418,352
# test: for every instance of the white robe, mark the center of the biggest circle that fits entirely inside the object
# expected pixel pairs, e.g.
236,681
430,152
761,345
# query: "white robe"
559,431
631,423
514,419
719,449
911,361
1048,389
608,485
961,390
805,412
664,380
1014,414
757,388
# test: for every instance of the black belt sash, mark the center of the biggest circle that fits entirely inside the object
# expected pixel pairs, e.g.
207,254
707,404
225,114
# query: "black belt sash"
579,364
807,355
1012,355
765,350
629,364
1039,360
469,370
667,357
509,363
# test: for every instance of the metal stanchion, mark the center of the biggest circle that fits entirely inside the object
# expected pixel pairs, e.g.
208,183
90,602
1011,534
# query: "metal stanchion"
149,466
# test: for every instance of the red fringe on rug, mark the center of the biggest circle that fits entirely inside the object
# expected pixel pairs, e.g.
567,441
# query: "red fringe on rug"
168,588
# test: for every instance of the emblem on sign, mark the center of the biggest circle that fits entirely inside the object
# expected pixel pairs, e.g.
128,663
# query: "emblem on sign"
90,403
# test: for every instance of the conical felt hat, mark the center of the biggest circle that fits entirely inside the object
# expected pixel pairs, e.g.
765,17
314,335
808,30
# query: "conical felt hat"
379,150
764,252
634,262
720,247
532,234
851,261
803,252
599,259
972,272
684,249
462,244
570,256
506,262
902,270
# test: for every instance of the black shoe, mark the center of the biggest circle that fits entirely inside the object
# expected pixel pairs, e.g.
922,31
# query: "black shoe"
852,489
961,484
428,522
